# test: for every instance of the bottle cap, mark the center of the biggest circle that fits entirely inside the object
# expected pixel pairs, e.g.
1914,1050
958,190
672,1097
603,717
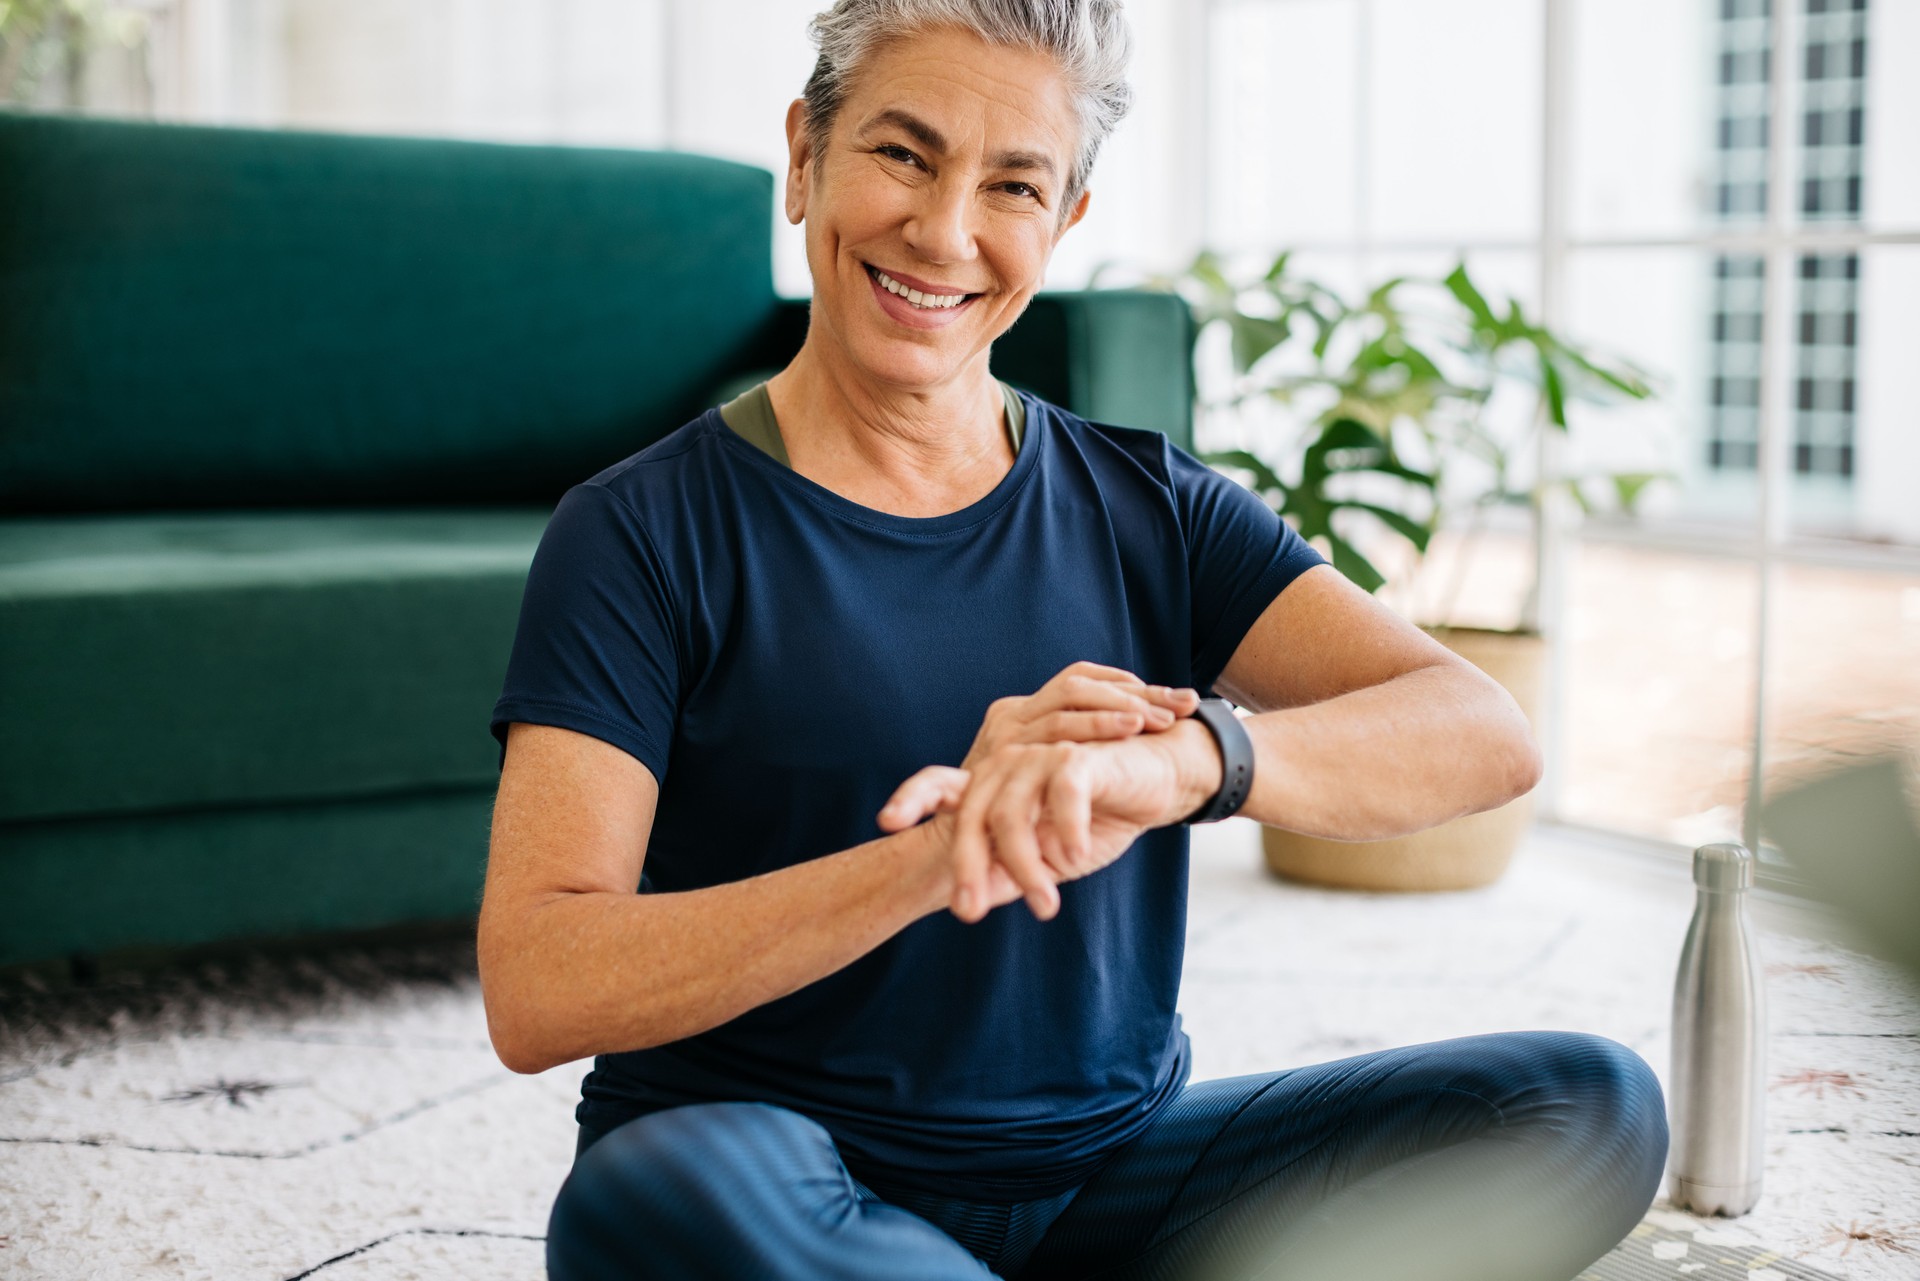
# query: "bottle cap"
1725,866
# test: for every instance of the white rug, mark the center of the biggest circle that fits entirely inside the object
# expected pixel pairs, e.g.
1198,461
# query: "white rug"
341,1116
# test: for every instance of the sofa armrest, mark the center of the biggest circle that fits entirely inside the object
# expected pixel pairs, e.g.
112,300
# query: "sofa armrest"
1122,356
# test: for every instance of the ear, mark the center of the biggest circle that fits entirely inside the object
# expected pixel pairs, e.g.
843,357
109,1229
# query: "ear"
1074,215
799,160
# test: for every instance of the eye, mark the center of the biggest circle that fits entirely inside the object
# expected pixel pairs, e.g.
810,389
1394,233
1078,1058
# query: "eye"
894,151
1025,190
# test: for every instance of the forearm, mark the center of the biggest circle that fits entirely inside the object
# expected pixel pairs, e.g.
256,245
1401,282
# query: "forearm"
576,974
1408,753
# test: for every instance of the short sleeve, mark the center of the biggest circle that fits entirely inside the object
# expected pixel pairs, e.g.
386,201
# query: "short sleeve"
1240,555
596,650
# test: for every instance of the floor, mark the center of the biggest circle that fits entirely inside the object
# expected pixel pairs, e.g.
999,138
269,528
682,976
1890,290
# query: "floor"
1659,657
340,1115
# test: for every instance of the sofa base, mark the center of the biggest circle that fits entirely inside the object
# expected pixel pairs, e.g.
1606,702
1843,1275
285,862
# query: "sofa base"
172,881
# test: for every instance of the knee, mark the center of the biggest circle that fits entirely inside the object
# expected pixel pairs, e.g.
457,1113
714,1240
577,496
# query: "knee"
1607,1098
670,1186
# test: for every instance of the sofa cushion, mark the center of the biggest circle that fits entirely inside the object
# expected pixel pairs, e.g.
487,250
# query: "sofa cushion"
226,318
155,663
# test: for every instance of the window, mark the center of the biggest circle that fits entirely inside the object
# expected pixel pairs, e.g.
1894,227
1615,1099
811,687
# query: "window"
1736,209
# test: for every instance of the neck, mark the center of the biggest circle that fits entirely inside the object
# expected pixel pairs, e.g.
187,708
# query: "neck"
910,451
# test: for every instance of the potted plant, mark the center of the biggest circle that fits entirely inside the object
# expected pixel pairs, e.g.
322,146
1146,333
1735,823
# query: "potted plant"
1388,434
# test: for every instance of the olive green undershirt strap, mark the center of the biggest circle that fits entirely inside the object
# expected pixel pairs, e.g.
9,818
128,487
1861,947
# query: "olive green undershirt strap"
750,415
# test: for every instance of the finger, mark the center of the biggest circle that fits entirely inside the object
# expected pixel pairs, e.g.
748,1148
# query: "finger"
927,791
1001,888
1181,700
1098,671
1086,694
971,850
1010,821
1067,816
1087,727
1051,852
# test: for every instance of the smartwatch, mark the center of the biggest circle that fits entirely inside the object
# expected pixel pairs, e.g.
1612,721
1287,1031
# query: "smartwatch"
1236,758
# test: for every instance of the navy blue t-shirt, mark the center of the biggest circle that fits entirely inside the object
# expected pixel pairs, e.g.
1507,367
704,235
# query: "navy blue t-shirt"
781,658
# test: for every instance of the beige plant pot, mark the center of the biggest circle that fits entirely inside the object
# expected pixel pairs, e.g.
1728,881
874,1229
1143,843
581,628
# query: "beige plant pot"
1458,855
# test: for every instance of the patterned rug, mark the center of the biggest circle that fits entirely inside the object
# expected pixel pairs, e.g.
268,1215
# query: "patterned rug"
1668,1245
339,1114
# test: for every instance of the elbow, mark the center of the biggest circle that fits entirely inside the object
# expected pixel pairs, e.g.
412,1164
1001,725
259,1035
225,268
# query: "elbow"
1519,761
515,1044
1525,764
513,1022
521,1057
1513,762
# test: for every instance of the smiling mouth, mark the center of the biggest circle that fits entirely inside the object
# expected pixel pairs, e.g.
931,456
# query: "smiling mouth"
914,297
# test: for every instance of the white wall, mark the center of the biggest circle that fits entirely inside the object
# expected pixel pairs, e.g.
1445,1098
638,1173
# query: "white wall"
578,71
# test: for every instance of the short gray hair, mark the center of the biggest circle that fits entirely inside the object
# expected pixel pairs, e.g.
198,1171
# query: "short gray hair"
1088,38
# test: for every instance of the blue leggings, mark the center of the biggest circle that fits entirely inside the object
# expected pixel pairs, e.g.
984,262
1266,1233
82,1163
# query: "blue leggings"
1522,1156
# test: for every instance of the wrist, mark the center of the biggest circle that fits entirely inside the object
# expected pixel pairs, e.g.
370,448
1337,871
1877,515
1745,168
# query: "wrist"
1197,766
925,847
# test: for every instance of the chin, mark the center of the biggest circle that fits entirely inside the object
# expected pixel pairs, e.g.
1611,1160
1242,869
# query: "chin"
906,364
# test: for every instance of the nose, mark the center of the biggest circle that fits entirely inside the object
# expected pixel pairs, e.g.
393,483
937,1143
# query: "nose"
941,228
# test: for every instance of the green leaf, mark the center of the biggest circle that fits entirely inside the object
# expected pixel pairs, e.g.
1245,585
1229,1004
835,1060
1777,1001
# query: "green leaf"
1254,337
1324,327
1516,324
1627,380
1355,566
1553,391
1628,486
1408,528
1380,300
1462,287
1263,476
1219,299
1346,433
1430,480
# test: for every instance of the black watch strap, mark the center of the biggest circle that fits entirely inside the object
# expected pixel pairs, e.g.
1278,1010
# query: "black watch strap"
1236,757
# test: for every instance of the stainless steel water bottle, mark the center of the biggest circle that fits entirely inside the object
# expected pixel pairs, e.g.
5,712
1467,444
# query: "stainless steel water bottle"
1718,1085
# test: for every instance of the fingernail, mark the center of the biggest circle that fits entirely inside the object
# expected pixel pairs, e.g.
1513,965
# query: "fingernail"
965,902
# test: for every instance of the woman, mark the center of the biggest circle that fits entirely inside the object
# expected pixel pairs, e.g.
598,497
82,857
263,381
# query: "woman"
884,584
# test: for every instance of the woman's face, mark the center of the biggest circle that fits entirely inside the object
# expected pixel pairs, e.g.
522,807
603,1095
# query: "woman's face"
943,174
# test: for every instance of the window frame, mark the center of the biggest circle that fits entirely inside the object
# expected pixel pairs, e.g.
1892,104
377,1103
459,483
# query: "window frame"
1780,239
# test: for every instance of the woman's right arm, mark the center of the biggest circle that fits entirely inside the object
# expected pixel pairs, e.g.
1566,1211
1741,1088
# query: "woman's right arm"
573,962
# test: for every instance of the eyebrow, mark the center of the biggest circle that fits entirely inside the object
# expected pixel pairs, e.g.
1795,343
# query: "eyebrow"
932,139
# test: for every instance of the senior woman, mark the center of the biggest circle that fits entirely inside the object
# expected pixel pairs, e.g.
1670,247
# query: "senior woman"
842,672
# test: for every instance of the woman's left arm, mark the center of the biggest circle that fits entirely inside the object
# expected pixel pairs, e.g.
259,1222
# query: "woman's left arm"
1364,727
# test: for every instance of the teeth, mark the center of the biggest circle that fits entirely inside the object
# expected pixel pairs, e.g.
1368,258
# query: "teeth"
932,302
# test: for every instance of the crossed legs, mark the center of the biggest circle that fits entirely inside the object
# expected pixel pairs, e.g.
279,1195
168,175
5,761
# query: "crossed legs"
1520,1156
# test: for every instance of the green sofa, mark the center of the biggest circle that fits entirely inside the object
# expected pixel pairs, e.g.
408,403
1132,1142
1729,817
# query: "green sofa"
281,418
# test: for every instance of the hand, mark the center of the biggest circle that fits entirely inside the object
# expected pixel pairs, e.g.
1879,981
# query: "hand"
1083,703
1032,815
